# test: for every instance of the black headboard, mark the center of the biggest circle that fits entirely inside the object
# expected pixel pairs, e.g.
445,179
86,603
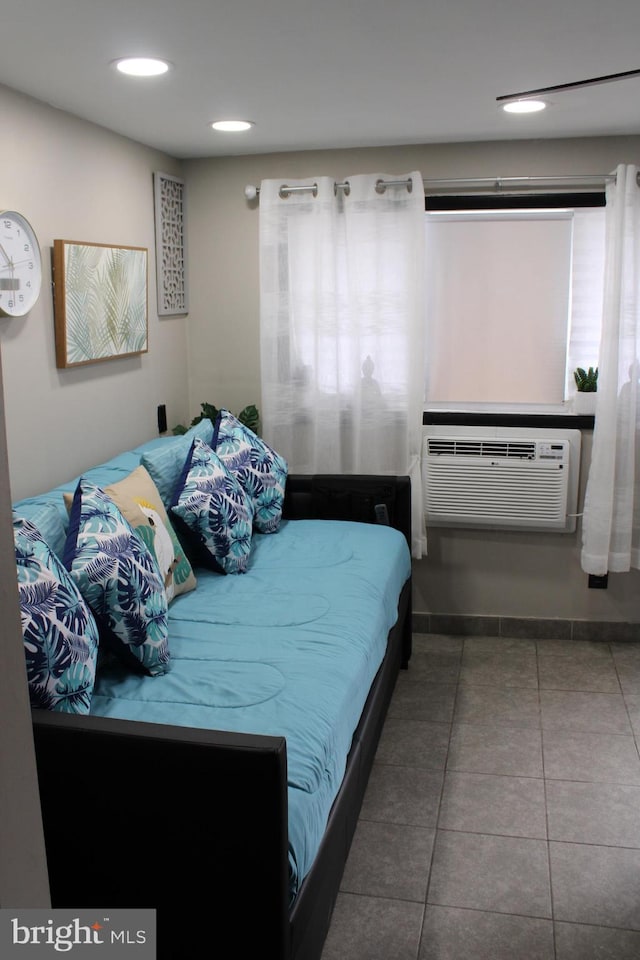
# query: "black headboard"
350,497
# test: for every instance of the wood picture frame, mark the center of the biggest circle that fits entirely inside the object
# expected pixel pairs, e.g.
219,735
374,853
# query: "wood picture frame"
100,302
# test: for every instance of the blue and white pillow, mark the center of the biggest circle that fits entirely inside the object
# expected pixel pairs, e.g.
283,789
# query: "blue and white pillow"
215,509
119,578
48,515
261,471
59,631
164,463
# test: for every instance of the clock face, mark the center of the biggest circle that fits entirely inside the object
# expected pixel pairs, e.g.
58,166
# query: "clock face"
20,265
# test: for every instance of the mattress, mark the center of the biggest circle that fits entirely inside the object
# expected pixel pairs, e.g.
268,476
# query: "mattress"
289,648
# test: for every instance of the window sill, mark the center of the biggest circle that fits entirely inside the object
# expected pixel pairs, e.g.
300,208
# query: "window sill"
556,418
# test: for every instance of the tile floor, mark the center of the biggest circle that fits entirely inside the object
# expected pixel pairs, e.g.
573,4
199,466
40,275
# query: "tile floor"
502,817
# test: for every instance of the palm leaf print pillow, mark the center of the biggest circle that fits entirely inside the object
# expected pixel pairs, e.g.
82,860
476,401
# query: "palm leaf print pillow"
59,631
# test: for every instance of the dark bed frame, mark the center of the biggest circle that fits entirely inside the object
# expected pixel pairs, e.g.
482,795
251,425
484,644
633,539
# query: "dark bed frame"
193,822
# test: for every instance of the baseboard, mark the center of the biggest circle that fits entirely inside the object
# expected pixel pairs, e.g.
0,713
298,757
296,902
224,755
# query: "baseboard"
530,628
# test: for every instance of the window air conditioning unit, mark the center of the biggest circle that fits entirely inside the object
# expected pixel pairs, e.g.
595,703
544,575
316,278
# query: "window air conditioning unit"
501,478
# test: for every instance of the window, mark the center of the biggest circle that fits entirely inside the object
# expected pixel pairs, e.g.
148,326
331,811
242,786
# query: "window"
514,302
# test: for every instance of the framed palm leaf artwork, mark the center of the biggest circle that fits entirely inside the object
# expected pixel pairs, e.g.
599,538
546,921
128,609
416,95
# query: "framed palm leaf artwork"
100,302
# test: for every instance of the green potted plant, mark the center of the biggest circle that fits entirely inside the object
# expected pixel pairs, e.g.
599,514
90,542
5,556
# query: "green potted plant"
249,415
587,387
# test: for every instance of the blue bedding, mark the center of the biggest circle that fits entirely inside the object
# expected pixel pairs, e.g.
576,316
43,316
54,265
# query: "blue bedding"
289,648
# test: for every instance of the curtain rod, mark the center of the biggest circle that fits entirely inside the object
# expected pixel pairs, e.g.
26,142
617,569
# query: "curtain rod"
432,186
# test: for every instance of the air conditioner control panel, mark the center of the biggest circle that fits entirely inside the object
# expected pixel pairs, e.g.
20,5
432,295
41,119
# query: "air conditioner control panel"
548,450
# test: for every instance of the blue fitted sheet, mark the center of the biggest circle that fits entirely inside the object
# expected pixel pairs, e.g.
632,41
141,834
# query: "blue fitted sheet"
290,648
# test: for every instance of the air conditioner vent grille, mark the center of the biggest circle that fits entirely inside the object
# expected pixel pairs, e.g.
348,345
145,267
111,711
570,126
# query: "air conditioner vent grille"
501,478
452,447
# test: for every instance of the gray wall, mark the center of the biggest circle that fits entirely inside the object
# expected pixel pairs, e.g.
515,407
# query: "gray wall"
76,181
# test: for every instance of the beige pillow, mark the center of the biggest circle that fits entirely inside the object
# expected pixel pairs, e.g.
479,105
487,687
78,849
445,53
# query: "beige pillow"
138,500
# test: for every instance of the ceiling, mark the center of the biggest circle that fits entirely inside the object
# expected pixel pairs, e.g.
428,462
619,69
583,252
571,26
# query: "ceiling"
327,73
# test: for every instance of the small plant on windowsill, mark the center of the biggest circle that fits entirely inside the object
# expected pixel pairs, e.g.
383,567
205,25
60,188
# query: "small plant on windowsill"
586,380
584,401
249,416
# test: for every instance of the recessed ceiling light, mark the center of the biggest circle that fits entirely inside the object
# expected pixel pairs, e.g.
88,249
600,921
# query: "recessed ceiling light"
141,66
232,126
524,106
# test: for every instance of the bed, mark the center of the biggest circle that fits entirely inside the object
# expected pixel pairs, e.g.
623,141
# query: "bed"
225,793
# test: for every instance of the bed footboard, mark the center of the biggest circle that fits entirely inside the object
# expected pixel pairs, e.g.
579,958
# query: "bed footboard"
191,822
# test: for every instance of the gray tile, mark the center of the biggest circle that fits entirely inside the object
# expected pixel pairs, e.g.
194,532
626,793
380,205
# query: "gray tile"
480,748
590,757
414,743
371,928
453,934
577,941
535,629
578,649
599,813
599,885
629,674
402,795
627,666
437,643
417,700
480,803
491,814
515,706
632,701
570,673
503,874
389,860
489,644
584,712
501,669
626,651
439,667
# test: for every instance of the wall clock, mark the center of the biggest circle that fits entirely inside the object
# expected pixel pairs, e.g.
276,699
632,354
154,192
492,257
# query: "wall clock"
20,265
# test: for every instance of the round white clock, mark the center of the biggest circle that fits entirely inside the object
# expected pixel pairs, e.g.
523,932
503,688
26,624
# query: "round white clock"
20,265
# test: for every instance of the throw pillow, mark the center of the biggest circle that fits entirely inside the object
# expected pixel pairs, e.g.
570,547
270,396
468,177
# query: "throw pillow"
139,501
260,470
213,506
59,631
48,519
119,578
165,462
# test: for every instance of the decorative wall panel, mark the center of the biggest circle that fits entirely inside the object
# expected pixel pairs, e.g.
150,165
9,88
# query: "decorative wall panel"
171,265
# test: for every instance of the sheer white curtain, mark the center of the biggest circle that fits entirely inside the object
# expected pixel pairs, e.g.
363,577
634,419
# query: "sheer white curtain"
611,526
343,327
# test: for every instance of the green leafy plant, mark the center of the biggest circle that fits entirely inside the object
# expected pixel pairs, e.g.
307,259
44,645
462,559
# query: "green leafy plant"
249,416
586,380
